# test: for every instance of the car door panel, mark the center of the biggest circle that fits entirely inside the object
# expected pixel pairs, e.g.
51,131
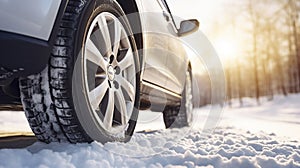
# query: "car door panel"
163,53
176,66
177,59
154,24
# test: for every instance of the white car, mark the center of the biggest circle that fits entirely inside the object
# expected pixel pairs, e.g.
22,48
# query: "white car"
83,69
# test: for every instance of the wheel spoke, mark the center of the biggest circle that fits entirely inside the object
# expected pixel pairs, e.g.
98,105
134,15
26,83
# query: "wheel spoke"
94,55
102,76
105,33
128,87
117,37
122,105
108,119
127,61
97,94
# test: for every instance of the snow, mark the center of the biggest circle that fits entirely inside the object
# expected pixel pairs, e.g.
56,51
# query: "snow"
11,122
252,136
280,116
227,147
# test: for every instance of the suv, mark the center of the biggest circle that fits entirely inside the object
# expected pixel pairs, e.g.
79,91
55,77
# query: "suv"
82,70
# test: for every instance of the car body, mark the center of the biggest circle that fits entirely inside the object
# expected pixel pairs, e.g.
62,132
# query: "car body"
28,34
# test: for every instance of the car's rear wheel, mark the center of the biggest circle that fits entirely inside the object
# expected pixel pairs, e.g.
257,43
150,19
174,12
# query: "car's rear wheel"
182,115
90,89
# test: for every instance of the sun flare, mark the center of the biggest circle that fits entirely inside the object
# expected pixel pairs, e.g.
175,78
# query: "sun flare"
228,49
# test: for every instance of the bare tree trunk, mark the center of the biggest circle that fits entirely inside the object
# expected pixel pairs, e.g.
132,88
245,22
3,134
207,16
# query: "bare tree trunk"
295,35
240,85
280,70
294,17
254,36
264,89
269,75
255,63
293,75
228,81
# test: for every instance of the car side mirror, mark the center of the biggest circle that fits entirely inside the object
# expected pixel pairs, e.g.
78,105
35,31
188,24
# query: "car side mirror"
188,27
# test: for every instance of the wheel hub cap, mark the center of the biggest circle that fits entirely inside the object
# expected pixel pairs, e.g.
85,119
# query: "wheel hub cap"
111,73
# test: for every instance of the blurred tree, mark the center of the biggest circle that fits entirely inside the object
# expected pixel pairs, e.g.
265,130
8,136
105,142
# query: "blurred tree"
269,62
254,20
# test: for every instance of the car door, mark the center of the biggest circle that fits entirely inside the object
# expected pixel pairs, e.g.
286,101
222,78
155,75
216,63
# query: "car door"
177,60
155,31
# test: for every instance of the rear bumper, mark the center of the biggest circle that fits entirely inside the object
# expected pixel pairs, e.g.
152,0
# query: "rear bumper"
34,18
21,56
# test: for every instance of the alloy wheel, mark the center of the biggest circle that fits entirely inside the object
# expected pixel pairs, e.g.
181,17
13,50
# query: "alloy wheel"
110,74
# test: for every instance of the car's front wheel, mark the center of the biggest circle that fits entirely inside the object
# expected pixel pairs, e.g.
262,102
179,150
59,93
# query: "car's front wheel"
90,89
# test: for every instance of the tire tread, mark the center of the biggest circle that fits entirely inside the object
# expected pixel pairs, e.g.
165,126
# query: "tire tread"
49,109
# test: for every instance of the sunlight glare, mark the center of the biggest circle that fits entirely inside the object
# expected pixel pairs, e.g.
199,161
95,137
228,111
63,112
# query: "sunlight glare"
227,48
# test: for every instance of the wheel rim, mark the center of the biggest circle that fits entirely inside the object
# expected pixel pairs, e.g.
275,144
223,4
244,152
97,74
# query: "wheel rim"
109,70
189,98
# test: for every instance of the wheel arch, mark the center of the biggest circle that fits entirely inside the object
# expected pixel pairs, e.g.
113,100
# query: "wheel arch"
130,7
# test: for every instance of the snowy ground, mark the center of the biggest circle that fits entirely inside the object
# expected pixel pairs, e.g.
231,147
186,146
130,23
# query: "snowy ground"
280,116
264,136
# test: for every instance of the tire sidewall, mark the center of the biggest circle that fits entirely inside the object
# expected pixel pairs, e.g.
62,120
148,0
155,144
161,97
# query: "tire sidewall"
83,111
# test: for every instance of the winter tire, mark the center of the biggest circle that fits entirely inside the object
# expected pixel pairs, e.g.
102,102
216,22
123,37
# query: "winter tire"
90,89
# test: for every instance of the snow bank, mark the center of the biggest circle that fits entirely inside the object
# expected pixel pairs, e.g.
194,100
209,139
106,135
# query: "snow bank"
226,148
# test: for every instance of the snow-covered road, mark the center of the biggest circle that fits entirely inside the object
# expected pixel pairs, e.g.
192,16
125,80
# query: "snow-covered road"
226,148
264,136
